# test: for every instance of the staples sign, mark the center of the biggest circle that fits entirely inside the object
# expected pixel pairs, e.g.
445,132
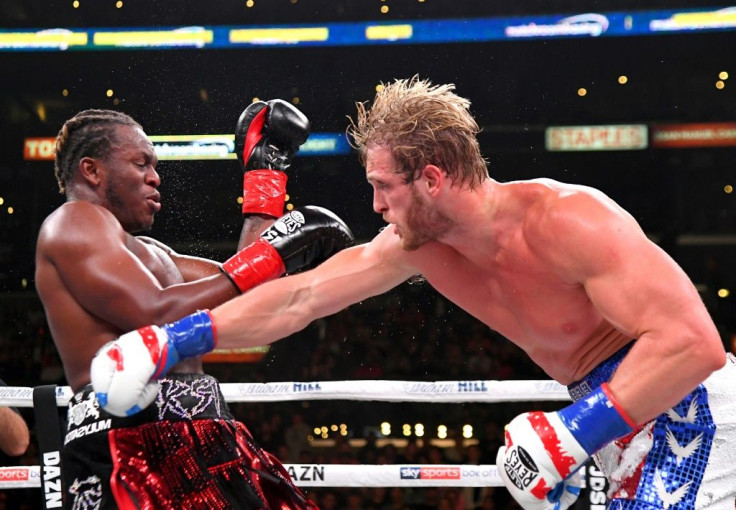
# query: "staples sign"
596,138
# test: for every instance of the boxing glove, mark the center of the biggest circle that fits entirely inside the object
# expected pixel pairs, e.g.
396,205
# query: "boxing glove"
298,240
543,452
267,135
124,371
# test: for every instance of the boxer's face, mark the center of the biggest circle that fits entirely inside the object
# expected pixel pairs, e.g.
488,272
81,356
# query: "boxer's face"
400,203
131,180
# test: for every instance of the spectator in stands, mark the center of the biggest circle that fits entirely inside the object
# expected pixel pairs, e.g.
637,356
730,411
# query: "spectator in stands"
14,434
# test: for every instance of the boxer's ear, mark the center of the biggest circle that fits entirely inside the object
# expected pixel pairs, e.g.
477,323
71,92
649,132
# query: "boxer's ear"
433,178
89,170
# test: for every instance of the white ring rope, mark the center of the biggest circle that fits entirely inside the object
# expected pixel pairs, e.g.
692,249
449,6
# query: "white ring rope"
346,475
334,475
489,391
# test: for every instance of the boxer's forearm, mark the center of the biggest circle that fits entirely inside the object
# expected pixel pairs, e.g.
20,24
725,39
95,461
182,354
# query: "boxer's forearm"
281,307
262,316
253,225
661,369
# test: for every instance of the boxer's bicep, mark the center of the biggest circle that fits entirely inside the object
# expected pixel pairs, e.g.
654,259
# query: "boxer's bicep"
195,268
100,273
190,267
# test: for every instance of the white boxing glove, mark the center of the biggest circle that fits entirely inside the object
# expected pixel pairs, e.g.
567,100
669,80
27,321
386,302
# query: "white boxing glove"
544,451
529,471
124,372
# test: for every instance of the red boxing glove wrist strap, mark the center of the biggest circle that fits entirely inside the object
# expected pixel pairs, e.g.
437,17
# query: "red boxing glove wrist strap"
264,192
256,263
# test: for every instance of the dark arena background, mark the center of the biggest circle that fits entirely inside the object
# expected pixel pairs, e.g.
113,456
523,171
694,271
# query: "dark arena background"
636,98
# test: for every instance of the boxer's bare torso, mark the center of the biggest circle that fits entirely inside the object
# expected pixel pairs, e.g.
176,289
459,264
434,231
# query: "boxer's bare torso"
520,296
80,321
507,278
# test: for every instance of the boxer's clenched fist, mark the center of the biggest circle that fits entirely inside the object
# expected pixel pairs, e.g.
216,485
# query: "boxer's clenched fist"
543,452
124,372
299,240
539,463
267,135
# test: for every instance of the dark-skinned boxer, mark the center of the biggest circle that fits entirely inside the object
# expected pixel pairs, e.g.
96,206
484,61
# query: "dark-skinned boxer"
96,279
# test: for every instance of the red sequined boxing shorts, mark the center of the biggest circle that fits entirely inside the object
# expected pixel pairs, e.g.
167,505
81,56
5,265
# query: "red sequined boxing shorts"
183,451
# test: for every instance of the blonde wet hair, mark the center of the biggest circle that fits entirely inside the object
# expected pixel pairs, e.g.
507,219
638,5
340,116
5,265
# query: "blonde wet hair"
421,124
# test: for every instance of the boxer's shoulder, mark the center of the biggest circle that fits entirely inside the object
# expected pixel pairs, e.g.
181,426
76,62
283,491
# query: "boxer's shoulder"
78,213
78,223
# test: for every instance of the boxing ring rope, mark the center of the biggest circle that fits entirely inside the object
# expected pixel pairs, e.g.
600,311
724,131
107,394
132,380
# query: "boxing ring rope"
346,475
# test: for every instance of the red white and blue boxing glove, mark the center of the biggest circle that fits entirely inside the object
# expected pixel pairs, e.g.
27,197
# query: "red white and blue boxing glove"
124,372
267,135
544,451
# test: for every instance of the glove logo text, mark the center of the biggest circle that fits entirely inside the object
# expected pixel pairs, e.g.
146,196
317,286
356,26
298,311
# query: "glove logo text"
520,468
285,226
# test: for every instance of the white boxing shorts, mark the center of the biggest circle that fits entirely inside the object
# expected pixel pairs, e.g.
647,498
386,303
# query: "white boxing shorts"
685,459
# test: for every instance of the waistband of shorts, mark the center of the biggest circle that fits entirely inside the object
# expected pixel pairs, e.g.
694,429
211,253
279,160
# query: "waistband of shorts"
600,374
180,397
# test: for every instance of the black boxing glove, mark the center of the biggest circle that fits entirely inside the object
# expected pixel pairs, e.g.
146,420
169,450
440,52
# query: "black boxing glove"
301,239
267,135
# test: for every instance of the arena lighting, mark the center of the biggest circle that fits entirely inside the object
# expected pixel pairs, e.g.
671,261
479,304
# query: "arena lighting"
278,35
41,112
720,84
388,32
406,429
723,293
2,200
723,75
419,430
582,92
385,428
48,39
185,36
728,189
191,147
718,19
442,432
469,30
467,431
623,79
